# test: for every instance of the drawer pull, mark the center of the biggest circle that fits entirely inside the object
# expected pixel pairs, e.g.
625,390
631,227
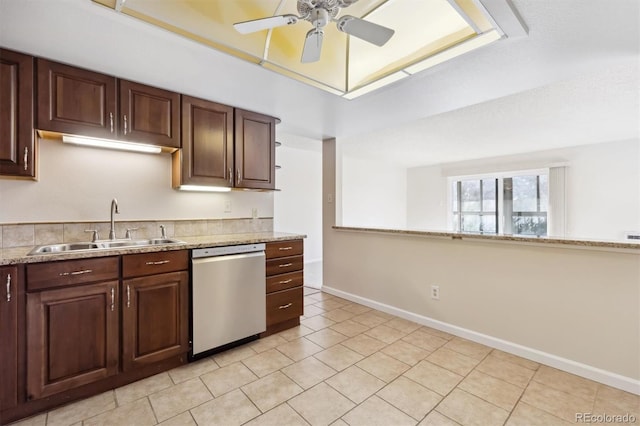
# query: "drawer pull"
8,287
288,305
284,265
159,262
285,248
84,271
286,281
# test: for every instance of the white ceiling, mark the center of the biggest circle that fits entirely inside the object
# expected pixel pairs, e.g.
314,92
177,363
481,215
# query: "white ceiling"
573,80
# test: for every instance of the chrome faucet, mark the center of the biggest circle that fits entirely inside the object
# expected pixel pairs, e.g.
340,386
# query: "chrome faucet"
114,210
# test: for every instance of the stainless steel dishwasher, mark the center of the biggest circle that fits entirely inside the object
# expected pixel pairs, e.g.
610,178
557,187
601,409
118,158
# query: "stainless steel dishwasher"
228,295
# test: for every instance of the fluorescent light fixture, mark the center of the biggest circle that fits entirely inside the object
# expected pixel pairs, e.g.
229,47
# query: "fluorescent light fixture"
111,144
202,188
375,85
457,50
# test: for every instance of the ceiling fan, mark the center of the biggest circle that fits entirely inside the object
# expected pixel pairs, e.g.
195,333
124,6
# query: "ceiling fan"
319,13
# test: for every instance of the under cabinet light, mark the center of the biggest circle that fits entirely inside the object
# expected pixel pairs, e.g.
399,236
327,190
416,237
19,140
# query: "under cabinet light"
111,144
203,188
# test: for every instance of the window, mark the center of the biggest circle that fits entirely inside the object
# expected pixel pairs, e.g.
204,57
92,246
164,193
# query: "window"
476,206
509,204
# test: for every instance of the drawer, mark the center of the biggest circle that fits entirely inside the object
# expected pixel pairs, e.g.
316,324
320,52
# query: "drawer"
284,249
137,265
48,275
284,281
284,265
284,305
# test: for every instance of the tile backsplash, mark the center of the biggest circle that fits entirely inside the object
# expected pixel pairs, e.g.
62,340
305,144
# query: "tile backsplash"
35,234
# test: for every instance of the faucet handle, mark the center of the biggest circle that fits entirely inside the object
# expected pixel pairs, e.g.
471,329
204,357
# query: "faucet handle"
163,231
94,237
128,234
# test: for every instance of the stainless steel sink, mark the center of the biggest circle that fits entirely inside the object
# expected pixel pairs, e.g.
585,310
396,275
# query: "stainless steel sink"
100,245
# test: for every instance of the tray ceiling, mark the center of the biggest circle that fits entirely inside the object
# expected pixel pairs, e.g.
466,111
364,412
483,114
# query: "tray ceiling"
427,32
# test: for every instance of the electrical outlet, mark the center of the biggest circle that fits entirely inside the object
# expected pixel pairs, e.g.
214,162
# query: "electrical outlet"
254,213
435,292
227,206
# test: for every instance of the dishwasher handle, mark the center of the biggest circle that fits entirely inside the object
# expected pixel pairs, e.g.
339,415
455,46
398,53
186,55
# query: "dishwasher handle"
201,260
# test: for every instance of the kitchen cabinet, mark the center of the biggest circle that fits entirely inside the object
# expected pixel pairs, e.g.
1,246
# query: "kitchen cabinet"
81,102
284,286
17,147
154,307
72,324
206,157
82,319
8,336
225,147
255,150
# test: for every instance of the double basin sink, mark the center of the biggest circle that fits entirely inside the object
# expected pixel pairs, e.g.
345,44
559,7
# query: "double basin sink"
100,245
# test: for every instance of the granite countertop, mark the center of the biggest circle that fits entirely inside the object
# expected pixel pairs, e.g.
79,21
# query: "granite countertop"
557,241
15,255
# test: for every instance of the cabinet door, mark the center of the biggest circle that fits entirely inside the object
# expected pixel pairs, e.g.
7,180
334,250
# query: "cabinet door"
255,150
76,101
154,319
72,337
8,336
149,115
16,114
207,144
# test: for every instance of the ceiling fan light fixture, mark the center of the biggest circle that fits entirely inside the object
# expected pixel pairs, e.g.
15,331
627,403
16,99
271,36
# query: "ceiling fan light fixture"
312,45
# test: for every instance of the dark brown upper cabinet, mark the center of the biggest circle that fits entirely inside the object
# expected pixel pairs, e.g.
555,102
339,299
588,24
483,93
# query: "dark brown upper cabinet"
206,157
217,152
17,154
149,115
77,101
255,150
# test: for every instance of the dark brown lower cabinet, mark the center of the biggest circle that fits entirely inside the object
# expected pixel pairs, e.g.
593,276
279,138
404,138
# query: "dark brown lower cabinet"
284,285
154,318
8,337
72,337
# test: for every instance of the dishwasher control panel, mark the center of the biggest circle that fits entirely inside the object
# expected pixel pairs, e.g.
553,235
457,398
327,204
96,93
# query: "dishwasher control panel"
226,250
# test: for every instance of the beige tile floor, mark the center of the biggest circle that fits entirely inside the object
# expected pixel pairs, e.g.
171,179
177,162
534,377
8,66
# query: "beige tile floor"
347,364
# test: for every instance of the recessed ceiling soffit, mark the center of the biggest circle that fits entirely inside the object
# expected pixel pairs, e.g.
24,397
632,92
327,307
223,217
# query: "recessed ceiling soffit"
427,32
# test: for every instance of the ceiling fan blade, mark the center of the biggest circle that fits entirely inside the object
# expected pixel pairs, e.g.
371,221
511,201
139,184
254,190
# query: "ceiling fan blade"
312,45
367,31
254,25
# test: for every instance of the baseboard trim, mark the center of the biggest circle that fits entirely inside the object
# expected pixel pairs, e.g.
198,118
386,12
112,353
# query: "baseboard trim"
593,373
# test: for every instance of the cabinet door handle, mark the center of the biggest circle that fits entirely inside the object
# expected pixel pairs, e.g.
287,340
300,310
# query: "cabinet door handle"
159,262
284,265
288,305
125,124
8,287
230,176
84,271
113,299
286,281
111,121
239,175
286,248
26,158
128,296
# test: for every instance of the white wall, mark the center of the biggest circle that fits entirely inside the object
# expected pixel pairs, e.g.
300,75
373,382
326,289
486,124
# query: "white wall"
572,308
602,187
77,184
374,194
298,204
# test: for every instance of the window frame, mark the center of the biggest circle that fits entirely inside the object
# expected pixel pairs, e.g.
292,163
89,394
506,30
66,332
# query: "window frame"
501,225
